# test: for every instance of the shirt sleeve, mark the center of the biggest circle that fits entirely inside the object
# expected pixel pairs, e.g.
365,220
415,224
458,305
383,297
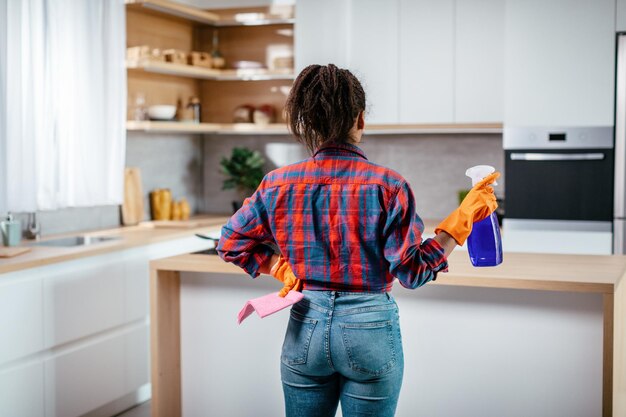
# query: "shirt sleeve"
413,261
246,237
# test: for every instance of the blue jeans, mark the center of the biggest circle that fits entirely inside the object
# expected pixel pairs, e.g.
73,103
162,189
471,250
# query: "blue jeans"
342,346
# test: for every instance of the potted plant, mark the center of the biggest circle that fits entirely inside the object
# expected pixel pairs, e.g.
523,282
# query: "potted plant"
243,172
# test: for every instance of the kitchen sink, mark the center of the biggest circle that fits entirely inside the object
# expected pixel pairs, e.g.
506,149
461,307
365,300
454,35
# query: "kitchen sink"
72,241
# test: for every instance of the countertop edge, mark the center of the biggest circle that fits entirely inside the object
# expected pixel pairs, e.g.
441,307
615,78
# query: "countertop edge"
468,276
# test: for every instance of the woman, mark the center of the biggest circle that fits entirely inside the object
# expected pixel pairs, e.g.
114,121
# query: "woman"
345,229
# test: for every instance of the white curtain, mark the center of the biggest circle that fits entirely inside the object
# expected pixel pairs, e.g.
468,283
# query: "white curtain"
62,104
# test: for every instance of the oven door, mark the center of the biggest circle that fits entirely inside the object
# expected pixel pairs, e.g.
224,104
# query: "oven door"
559,184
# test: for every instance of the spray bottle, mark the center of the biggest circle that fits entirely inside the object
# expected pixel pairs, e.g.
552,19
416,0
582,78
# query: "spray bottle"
484,243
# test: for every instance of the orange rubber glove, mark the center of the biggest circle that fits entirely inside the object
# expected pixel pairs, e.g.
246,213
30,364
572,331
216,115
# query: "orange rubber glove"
282,272
479,203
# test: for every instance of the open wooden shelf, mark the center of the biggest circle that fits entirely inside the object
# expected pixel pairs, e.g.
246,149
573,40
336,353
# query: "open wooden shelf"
281,128
190,71
202,128
172,8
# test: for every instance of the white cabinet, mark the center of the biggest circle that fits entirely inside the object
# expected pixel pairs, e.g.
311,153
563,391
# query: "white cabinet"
620,18
559,62
137,358
373,56
321,33
21,391
74,335
359,35
21,317
84,379
420,61
479,61
82,298
426,64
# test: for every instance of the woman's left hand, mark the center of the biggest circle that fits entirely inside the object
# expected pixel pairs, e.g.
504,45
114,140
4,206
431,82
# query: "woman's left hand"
282,272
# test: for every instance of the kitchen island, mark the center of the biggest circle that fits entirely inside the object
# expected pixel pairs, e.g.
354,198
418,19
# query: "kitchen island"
534,275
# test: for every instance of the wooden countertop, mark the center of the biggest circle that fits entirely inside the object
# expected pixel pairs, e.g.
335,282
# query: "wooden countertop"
130,237
547,272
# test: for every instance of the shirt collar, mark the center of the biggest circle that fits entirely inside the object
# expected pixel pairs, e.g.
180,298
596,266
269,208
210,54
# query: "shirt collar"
348,147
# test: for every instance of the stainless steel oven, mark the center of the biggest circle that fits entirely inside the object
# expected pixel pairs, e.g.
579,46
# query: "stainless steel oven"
560,179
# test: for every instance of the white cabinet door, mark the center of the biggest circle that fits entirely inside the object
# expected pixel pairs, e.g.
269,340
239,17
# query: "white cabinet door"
620,19
81,380
479,61
321,33
373,56
426,61
21,391
21,317
137,357
359,35
559,62
82,298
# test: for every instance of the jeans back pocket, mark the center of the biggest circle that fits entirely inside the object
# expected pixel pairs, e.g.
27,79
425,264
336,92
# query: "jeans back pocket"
297,339
370,346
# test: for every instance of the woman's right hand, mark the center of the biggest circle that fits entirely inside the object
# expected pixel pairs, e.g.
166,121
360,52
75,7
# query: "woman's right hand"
479,203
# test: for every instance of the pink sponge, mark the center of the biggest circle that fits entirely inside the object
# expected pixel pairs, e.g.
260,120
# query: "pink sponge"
268,304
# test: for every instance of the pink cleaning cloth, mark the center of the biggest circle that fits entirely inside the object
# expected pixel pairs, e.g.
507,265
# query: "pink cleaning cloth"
268,304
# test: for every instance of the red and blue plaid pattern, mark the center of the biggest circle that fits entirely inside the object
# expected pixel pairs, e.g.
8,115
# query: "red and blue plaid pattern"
342,223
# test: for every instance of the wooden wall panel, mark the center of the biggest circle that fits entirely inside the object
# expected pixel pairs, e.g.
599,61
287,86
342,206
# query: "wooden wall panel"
161,89
220,98
158,31
244,43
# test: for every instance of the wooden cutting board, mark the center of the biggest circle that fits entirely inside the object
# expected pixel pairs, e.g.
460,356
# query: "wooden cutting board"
8,252
132,208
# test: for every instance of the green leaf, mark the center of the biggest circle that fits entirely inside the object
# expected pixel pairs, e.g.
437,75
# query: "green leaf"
243,170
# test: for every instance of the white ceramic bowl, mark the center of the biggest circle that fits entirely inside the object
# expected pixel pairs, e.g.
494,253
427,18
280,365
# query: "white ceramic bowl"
162,112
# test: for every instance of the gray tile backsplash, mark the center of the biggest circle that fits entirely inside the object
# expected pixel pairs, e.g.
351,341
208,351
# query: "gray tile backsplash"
171,161
434,165
188,165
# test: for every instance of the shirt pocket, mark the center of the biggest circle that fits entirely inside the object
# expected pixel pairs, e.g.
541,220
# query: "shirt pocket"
371,347
297,339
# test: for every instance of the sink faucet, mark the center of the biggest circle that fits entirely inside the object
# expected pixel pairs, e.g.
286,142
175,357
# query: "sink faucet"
33,228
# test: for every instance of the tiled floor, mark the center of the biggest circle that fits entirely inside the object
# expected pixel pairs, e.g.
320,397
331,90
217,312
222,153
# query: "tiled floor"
142,410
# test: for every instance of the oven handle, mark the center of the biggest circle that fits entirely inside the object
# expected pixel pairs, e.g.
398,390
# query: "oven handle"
536,156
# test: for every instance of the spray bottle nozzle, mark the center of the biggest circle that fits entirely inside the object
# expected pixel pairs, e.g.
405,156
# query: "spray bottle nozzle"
478,172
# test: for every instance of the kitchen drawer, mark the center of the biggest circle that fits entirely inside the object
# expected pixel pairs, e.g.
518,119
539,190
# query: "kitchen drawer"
137,291
21,313
21,391
86,378
137,357
83,298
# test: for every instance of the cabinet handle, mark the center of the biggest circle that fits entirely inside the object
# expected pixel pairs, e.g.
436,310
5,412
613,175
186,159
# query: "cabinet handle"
536,156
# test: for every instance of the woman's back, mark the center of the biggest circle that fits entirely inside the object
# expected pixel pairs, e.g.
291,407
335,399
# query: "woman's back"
342,222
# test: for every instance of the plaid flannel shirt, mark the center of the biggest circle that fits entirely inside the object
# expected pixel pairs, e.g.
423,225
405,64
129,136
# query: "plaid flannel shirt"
342,223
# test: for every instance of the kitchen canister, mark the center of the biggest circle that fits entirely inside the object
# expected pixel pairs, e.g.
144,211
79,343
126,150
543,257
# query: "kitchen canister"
11,231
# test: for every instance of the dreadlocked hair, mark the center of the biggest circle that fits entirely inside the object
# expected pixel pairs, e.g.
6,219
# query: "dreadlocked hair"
323,105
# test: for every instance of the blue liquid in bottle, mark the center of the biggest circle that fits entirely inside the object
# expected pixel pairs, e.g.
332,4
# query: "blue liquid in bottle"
484,243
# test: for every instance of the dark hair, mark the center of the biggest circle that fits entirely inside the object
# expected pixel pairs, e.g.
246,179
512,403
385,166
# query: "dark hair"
323,105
